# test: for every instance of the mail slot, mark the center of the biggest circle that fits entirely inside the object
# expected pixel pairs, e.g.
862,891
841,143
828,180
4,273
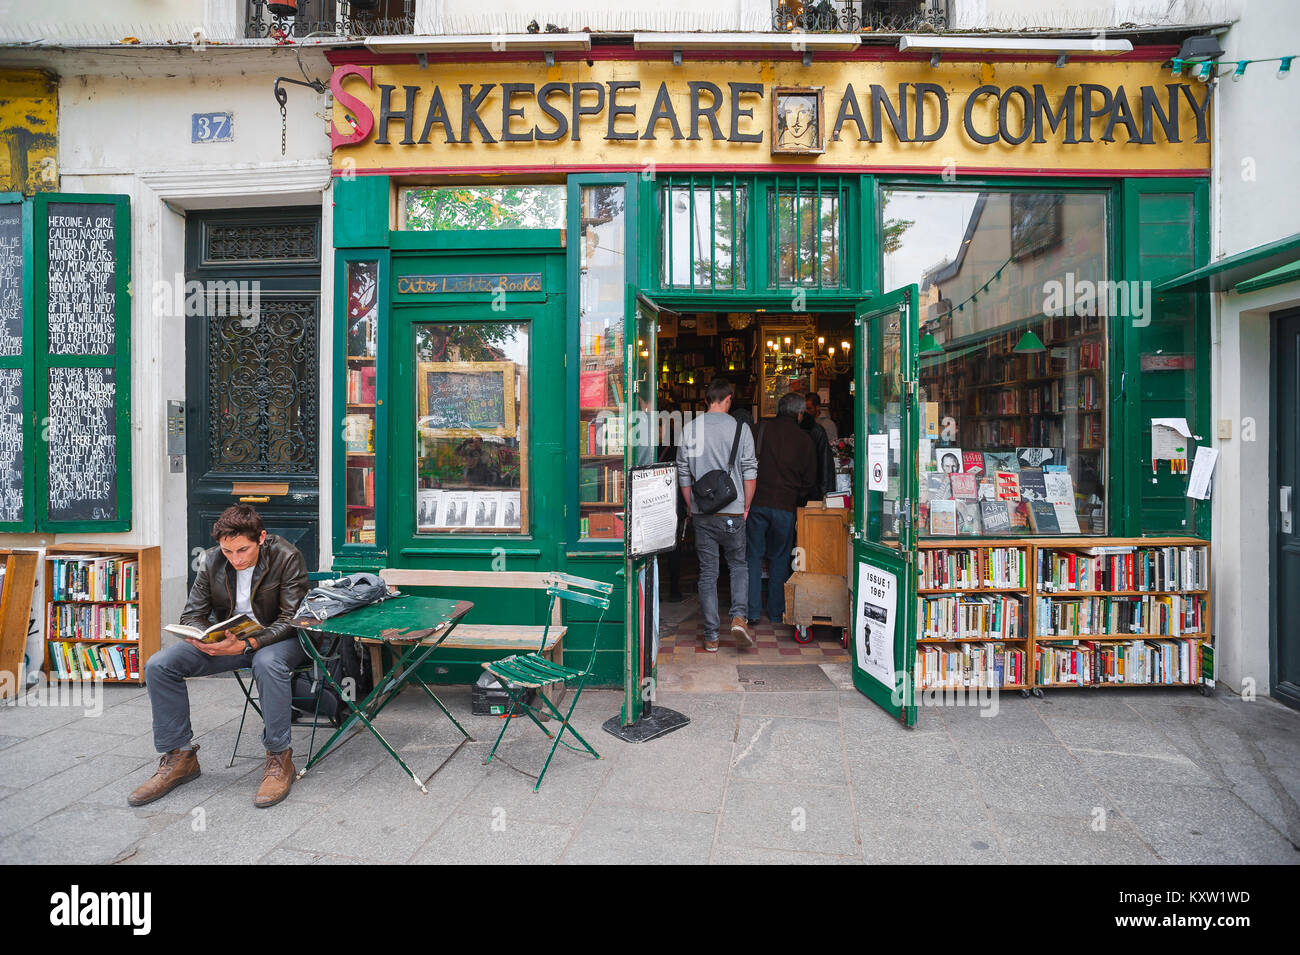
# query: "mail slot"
257,492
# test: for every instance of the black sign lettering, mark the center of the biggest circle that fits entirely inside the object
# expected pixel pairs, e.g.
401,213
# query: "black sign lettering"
82,304
83,444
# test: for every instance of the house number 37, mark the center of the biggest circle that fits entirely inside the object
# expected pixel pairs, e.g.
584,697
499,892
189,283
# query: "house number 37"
212,127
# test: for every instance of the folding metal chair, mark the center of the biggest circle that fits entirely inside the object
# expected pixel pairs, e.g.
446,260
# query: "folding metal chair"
329,653
532,671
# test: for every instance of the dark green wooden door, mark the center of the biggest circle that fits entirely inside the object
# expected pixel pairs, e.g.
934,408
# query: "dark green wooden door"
252,360
1285,649
883,579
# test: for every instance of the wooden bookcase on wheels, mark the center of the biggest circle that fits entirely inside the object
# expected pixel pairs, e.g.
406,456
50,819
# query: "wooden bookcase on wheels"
102,611
1064,613
1122,612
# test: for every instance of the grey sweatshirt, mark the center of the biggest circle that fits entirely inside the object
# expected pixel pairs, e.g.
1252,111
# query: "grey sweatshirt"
706,444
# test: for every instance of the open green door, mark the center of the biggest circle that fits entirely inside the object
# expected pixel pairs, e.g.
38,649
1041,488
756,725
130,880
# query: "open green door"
641,612
883,578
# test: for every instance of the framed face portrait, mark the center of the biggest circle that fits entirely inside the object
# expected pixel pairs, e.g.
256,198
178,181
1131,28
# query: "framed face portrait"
797,121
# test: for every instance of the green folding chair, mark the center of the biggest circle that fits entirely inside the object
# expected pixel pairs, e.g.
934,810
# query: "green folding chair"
532,671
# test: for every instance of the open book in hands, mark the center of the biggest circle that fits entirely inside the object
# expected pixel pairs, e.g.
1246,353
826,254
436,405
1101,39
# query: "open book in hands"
240,625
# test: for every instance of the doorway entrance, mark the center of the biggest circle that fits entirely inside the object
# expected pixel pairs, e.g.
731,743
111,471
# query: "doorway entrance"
1284,646
252,360
764,355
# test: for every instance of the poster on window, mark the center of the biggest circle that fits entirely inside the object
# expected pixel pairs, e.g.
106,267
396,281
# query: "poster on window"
877,599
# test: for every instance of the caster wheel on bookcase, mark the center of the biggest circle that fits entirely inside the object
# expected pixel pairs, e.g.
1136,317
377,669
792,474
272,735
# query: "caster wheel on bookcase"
1024,694
844,638
1037,692
802,635
1206,690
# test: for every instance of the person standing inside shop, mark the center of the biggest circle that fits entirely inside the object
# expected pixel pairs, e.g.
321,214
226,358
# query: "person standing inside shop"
252,572
787,475
821,449
706,446
822,415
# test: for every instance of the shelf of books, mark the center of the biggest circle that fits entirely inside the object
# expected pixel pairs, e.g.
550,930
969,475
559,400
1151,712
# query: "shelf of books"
1032,426
1122,612
361,402
973,615
600,453
102,611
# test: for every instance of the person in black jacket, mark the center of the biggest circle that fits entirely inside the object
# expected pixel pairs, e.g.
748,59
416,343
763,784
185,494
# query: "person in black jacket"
822,450
253,572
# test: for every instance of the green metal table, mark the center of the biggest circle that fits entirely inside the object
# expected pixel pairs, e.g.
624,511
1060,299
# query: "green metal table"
413,627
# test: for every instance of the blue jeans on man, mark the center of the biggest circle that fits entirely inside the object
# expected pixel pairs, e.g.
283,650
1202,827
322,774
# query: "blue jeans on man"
166,673
771,535
720,534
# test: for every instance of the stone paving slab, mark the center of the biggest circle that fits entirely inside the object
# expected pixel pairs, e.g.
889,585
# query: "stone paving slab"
760,775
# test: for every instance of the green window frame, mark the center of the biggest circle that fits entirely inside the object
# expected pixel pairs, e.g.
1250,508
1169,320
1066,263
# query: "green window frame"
36,364
736,194
574,541
344,262
814,192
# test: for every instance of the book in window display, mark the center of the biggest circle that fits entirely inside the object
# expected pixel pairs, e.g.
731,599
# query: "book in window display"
486,505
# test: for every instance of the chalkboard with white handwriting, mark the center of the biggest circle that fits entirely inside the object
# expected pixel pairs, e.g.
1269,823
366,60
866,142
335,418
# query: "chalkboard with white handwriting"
83,444
82,278
11,280
11,445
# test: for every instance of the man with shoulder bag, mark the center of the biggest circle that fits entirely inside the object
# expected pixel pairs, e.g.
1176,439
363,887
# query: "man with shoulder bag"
717,472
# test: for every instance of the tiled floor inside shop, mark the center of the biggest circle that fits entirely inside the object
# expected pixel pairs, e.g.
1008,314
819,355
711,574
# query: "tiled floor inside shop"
783,761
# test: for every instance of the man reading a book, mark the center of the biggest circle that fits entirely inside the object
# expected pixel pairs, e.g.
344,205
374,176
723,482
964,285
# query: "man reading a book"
261,576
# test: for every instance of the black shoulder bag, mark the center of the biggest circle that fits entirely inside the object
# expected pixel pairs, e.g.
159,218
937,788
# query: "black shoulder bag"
716,490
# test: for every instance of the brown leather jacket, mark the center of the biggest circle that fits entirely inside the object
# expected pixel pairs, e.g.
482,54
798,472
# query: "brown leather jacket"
279,584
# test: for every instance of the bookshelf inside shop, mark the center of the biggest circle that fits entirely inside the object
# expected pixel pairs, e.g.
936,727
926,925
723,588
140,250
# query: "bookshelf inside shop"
102,611
360,402
17,582
1007,401
1064,613
600,452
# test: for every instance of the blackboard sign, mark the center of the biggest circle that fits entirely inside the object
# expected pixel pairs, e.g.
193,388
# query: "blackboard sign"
83,444
82,273
468,396
11,445
11,280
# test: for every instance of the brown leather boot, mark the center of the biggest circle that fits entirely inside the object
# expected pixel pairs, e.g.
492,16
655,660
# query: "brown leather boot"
176,767
277,778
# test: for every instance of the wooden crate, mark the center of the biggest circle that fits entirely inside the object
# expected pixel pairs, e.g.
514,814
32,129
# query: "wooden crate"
816,600
823,533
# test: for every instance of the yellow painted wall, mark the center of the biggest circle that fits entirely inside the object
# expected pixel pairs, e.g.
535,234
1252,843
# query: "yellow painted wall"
28,131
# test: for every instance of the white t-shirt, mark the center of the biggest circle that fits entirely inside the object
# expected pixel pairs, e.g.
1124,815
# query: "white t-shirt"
244,591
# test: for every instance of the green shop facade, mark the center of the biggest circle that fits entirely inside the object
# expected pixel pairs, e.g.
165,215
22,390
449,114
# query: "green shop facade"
512,239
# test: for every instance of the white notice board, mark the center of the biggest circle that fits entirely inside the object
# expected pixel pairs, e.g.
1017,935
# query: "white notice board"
652,509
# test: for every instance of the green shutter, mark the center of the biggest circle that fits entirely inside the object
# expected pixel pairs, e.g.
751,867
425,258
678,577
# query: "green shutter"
1165,234
361,212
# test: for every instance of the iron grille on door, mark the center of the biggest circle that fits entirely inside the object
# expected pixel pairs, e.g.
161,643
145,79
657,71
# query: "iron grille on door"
807,239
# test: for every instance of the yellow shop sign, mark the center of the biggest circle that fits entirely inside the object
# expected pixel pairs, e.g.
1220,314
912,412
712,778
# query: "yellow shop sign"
1083,118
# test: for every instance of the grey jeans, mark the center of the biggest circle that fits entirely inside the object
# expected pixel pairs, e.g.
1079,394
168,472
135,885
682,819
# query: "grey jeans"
165,676
725,533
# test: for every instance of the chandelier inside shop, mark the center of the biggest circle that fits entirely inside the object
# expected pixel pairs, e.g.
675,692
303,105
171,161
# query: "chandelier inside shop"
284,19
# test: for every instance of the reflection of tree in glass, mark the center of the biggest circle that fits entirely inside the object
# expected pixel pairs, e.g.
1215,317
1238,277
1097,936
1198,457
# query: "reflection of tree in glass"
893,228
481,341
446,208
711,236
809,238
